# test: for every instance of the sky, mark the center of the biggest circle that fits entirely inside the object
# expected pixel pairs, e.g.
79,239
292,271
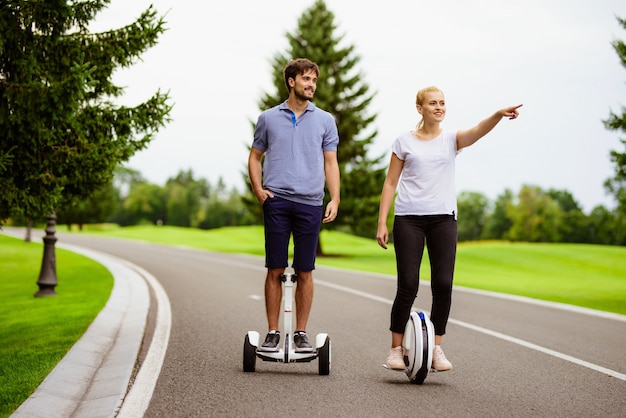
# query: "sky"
554,57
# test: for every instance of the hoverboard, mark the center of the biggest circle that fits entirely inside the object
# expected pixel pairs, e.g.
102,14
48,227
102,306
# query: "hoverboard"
286,353
417,345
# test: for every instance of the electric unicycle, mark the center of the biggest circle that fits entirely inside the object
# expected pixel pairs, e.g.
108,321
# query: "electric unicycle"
417,345
286,353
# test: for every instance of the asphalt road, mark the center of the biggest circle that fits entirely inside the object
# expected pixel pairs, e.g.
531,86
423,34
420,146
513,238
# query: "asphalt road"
511,357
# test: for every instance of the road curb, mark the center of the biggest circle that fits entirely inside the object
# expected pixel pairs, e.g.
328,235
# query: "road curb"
92,379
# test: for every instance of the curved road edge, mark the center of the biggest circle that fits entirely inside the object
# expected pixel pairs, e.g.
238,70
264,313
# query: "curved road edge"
94,378
138,397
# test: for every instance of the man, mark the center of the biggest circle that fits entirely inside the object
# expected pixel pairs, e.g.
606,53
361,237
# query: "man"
299,141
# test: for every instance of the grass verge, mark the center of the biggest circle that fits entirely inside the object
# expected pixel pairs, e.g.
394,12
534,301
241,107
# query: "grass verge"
37,332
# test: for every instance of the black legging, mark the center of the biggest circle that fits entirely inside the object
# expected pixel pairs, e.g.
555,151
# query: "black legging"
409,234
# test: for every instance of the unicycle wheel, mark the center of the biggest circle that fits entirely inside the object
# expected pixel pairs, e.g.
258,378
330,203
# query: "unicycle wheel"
418,343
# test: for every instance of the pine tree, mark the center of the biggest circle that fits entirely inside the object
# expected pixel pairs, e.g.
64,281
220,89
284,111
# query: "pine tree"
342,92
617,184
62,134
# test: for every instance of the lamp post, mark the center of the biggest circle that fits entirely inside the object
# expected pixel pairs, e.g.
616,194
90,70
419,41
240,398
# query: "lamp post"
48,274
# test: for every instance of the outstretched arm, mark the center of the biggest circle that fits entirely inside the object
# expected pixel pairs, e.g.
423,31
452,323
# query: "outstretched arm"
467,137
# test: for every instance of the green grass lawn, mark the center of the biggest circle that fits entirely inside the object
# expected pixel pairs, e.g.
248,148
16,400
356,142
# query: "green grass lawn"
37,332
592,276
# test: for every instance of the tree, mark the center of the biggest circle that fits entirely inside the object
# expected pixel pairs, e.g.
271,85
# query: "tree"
185,198
124,180
342,92
617,185
145,204
225,208
576,227
498,223
472,215
603,226
62,134
535,217
95,208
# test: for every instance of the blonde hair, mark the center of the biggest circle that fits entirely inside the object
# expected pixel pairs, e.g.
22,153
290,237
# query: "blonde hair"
419,100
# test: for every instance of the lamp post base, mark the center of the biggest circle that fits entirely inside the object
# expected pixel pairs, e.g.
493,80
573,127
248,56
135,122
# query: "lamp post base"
48,275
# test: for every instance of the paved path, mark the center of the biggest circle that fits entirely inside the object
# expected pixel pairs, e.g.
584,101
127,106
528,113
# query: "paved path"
513,356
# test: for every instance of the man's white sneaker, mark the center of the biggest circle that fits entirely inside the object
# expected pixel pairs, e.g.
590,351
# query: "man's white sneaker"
440,362
395,359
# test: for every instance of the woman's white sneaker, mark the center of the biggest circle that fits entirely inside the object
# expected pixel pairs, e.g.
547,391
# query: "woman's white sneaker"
440,362
395,359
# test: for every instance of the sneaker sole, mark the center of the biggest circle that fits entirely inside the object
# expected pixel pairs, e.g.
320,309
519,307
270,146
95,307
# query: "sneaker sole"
268,349
395,370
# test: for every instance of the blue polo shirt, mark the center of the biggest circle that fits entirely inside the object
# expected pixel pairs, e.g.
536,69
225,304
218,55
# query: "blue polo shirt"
294,151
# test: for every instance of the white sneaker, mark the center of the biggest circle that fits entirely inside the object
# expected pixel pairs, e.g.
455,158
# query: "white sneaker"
395,359
440,362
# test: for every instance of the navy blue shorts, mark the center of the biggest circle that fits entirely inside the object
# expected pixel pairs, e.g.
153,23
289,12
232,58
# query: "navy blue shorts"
282,218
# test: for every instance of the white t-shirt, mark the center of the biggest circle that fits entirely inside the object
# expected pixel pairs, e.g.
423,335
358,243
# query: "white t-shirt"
427,183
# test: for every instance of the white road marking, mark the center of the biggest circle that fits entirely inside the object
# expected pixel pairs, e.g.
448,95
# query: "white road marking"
138,397
536,347
495,334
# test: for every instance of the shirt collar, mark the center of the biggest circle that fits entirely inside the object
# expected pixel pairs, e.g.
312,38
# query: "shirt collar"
309,108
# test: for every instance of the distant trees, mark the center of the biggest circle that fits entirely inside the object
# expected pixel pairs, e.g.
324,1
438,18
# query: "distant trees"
184,200
574,225
473,209
144,204
62,136
97,206
530,215
534,215
497,223
224,207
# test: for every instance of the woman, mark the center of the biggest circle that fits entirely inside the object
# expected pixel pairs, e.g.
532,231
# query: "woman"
422,171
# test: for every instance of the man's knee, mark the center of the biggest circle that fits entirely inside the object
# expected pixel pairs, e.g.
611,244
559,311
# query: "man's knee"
305,276
274,274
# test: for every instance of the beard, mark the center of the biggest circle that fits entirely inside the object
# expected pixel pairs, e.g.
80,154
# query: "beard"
303,94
